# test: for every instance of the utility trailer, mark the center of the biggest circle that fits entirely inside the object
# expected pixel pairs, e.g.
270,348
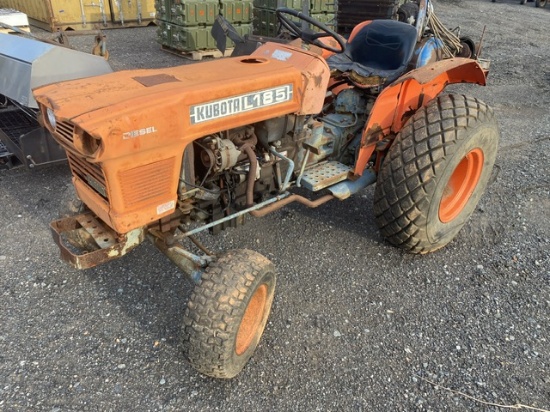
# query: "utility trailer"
27,63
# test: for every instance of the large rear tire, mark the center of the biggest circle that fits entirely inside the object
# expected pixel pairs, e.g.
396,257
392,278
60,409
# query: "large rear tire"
435,173
227,313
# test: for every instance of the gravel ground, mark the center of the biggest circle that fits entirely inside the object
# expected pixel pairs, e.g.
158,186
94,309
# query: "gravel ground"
356,324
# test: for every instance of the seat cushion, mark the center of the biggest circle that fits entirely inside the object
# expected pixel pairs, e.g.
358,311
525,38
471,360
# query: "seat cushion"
382,48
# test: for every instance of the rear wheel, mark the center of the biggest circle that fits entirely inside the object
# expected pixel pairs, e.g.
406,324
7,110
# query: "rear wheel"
227,313
435,173
540,3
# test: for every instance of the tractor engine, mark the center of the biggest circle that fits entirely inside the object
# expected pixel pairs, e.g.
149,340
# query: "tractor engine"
232,170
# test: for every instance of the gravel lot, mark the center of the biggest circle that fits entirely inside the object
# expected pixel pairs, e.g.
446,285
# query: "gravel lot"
356,325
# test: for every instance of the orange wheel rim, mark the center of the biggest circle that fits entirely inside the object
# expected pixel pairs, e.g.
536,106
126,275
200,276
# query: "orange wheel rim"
461,185
252,320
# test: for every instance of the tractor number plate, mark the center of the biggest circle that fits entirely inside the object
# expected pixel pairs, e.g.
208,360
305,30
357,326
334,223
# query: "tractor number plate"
239,104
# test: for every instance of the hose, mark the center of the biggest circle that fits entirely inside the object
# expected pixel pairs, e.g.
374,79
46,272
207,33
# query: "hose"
292,198
451,43
247,148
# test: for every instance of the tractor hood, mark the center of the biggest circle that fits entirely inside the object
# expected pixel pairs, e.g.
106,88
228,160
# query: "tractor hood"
196,83
180,104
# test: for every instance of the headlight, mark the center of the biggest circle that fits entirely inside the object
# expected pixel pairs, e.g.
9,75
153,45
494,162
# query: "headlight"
90,145
86,143
51,117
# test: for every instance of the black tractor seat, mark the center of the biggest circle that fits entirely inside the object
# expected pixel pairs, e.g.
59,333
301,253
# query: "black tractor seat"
382,48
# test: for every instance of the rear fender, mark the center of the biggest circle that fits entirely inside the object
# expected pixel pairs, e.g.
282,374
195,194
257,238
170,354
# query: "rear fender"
400,100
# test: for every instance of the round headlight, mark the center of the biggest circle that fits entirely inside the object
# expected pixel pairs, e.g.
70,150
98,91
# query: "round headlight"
51,117
86,144
90,145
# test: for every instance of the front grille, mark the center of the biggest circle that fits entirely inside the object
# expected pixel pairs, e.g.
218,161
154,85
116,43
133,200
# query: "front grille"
65,132
144,183
90,173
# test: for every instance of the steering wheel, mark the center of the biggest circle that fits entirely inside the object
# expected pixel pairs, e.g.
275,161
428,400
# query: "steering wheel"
309,36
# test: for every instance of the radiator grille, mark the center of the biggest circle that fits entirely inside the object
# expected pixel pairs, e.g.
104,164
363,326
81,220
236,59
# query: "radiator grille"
89,173
65,132
147,182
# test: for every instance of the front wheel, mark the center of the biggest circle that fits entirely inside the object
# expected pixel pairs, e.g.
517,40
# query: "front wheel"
435,173
227,313
540,3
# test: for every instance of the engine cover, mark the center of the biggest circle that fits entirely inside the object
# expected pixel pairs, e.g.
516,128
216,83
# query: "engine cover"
141,121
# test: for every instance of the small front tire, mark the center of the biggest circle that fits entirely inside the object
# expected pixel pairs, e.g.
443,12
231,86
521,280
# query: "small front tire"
227,313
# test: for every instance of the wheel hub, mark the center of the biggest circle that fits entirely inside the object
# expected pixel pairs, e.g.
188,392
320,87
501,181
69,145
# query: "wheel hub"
252,320
461,185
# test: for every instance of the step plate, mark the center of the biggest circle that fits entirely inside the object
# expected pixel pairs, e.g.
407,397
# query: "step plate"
324,175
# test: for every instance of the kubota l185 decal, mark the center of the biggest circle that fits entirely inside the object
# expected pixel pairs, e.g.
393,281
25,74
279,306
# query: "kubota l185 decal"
240,104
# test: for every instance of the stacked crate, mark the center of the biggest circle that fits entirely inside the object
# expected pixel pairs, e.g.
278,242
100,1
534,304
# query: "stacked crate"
265,19
185,25
240,14
353,12
324,11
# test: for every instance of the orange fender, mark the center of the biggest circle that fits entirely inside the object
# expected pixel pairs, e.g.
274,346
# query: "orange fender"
400,100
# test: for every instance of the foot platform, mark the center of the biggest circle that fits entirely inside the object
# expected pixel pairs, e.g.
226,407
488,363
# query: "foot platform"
324,175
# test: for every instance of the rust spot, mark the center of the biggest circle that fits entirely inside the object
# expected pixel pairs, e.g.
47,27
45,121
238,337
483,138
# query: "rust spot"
318,80
374,134
79,255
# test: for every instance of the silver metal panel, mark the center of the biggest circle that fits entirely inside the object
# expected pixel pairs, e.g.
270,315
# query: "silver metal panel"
26,64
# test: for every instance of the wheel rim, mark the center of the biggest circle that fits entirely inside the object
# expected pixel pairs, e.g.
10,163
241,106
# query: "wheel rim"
252,320
461,185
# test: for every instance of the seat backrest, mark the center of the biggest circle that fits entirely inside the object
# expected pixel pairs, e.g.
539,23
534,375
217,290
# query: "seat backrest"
383,45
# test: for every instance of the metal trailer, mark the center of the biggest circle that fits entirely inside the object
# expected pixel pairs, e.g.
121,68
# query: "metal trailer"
27,63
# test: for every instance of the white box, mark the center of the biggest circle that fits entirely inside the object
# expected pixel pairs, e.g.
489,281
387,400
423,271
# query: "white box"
13,18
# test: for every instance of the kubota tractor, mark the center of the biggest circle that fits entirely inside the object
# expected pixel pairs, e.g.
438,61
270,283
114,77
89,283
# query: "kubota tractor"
163,154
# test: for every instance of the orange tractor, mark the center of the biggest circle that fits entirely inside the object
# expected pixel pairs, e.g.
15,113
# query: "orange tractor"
164,154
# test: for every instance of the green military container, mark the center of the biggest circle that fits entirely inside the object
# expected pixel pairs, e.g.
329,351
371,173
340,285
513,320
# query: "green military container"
237,11
194,13
192,38
266,22
322,6
242,29
328,19
265,18
164,33
163,8
274,4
